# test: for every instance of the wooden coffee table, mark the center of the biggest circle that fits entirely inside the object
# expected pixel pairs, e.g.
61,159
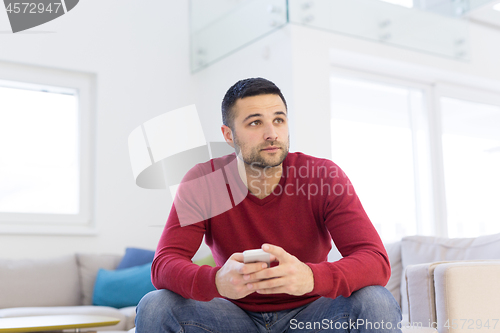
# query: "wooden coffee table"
54,323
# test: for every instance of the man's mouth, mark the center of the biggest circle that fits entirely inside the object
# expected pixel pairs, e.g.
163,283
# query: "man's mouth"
271,149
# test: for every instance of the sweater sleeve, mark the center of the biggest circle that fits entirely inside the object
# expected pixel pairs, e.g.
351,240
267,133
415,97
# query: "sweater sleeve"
186,225
365,261
172,267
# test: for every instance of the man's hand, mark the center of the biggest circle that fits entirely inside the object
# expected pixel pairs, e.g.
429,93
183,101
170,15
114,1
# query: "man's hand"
231,280
291,276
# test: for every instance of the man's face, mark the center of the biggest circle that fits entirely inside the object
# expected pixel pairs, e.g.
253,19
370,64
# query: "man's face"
260,130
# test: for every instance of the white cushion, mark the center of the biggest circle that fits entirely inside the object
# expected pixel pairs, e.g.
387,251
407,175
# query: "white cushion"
423,249
89,265
420,291
467,294
40,282
394,252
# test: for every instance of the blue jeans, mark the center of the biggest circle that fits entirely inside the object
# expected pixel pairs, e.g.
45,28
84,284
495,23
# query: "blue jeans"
370,309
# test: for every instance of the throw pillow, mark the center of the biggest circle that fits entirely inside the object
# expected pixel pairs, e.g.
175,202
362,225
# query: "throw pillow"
135,257
122,288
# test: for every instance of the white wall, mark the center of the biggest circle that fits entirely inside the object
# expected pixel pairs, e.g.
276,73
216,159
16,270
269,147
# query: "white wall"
139,52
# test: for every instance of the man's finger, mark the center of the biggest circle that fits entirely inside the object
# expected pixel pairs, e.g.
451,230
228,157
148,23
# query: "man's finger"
277,290
238,256
252,268
268,273
276,251
267,284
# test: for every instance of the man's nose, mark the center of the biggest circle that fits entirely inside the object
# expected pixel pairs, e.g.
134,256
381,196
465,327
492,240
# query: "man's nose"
270,133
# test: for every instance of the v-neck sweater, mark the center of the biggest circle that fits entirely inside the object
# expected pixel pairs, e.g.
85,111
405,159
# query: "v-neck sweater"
313,204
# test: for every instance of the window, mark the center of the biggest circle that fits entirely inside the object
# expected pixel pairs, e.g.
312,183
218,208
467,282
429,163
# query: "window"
375,137
45,160
471,160
423,159
39,168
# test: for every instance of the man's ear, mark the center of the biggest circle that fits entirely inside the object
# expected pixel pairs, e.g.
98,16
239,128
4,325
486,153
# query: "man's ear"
228,135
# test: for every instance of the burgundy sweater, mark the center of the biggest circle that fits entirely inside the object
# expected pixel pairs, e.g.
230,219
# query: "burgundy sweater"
313,203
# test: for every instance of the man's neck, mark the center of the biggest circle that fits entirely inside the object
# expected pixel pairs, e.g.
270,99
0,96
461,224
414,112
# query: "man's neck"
260,181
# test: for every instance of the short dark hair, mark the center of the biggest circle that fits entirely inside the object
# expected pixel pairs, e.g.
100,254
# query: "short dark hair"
246,88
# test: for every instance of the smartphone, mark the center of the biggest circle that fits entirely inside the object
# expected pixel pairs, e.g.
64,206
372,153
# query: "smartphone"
257,255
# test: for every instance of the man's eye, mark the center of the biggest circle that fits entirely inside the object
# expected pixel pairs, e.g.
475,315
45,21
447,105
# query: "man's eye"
255,122
279,120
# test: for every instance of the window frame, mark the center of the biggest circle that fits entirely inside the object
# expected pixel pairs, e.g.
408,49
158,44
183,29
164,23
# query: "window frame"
32,77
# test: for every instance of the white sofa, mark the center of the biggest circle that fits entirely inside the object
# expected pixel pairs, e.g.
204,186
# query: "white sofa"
438,279
65,285
62,285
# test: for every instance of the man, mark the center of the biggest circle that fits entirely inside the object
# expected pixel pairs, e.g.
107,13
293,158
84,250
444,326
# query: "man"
289,204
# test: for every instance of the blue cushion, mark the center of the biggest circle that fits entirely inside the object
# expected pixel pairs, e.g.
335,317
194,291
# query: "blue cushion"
135,257
124,287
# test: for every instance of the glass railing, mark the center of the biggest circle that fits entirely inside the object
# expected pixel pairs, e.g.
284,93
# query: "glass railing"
221,27
386,23
451,8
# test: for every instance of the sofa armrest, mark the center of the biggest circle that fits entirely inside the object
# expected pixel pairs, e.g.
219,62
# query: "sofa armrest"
129,313
467,295
421,294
